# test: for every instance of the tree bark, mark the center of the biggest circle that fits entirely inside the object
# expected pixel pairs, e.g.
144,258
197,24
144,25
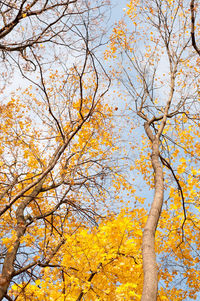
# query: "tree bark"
192,10
8,265
150,286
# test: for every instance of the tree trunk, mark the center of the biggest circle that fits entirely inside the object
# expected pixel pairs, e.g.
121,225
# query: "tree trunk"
150,285
8,265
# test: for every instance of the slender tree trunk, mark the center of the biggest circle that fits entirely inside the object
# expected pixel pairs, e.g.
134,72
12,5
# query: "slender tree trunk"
150,285
8,265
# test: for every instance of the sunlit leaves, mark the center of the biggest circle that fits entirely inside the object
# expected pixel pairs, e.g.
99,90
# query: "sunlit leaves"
103,262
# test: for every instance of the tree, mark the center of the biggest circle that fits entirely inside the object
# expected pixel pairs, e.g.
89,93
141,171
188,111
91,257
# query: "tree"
56,135
93,263
160,71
